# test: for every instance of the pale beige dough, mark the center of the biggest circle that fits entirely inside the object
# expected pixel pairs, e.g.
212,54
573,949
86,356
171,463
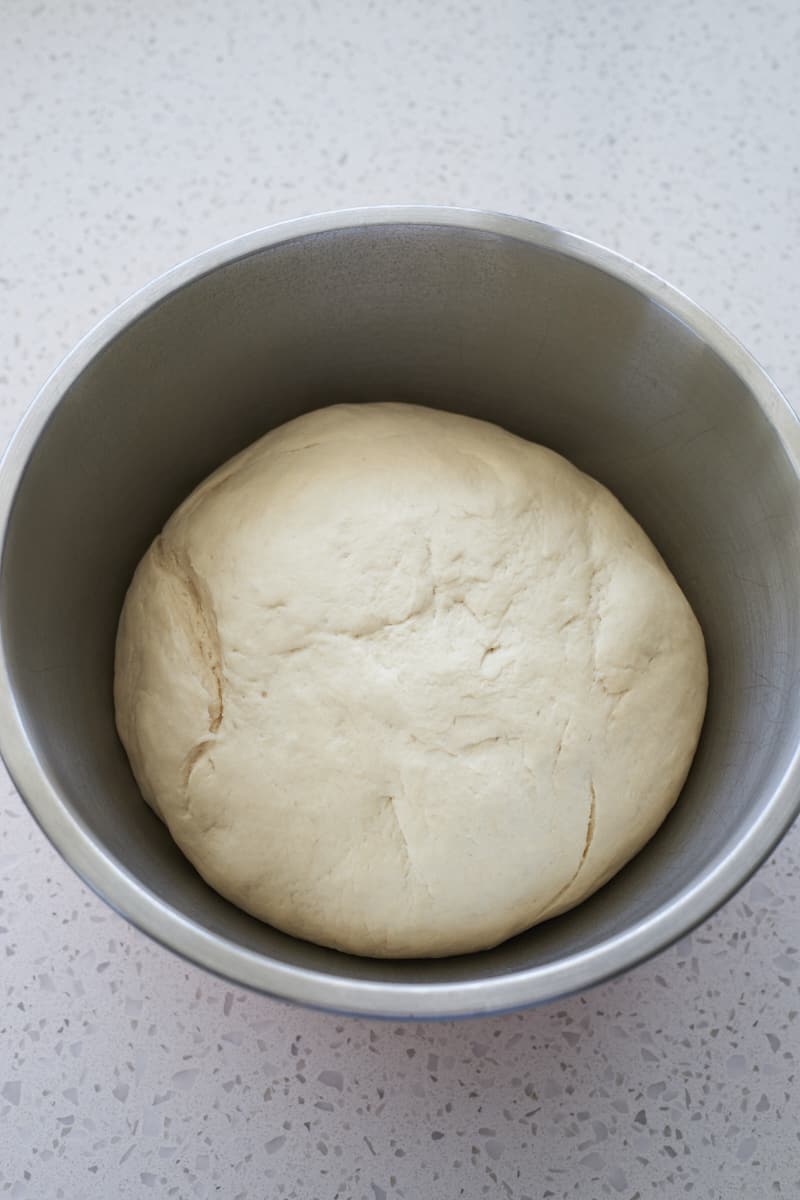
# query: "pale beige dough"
404,684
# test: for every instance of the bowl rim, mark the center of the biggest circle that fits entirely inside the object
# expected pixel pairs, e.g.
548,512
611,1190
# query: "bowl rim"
113,882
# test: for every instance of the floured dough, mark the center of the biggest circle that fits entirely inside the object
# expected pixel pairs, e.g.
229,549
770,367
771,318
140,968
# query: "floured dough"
404,684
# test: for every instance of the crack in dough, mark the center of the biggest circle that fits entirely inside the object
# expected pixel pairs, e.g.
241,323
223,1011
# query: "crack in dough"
202,628
549,908
398,825
179,565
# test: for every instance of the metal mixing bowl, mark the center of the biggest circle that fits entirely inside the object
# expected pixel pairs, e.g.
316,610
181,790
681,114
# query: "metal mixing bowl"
544,333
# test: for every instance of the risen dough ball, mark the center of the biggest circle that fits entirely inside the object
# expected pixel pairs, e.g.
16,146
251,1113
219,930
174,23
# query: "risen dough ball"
404,684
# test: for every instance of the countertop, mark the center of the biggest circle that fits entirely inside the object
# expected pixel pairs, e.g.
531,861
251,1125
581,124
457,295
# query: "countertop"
135,134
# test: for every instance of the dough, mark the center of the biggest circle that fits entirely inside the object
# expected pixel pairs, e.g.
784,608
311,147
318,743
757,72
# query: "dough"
404,684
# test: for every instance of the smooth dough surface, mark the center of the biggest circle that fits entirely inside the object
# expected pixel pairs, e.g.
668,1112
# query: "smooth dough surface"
404,684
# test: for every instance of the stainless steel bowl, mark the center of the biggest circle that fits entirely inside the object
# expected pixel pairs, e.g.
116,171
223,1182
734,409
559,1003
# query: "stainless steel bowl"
547,334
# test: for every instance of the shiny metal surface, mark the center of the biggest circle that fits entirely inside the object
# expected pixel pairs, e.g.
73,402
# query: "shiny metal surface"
545,333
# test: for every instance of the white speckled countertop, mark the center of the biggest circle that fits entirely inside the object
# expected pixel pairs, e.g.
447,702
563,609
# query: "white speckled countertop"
135,134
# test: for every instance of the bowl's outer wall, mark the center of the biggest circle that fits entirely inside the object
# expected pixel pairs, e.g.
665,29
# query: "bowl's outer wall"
522,334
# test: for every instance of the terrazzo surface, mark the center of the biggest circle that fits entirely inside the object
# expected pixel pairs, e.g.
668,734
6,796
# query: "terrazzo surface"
135,135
